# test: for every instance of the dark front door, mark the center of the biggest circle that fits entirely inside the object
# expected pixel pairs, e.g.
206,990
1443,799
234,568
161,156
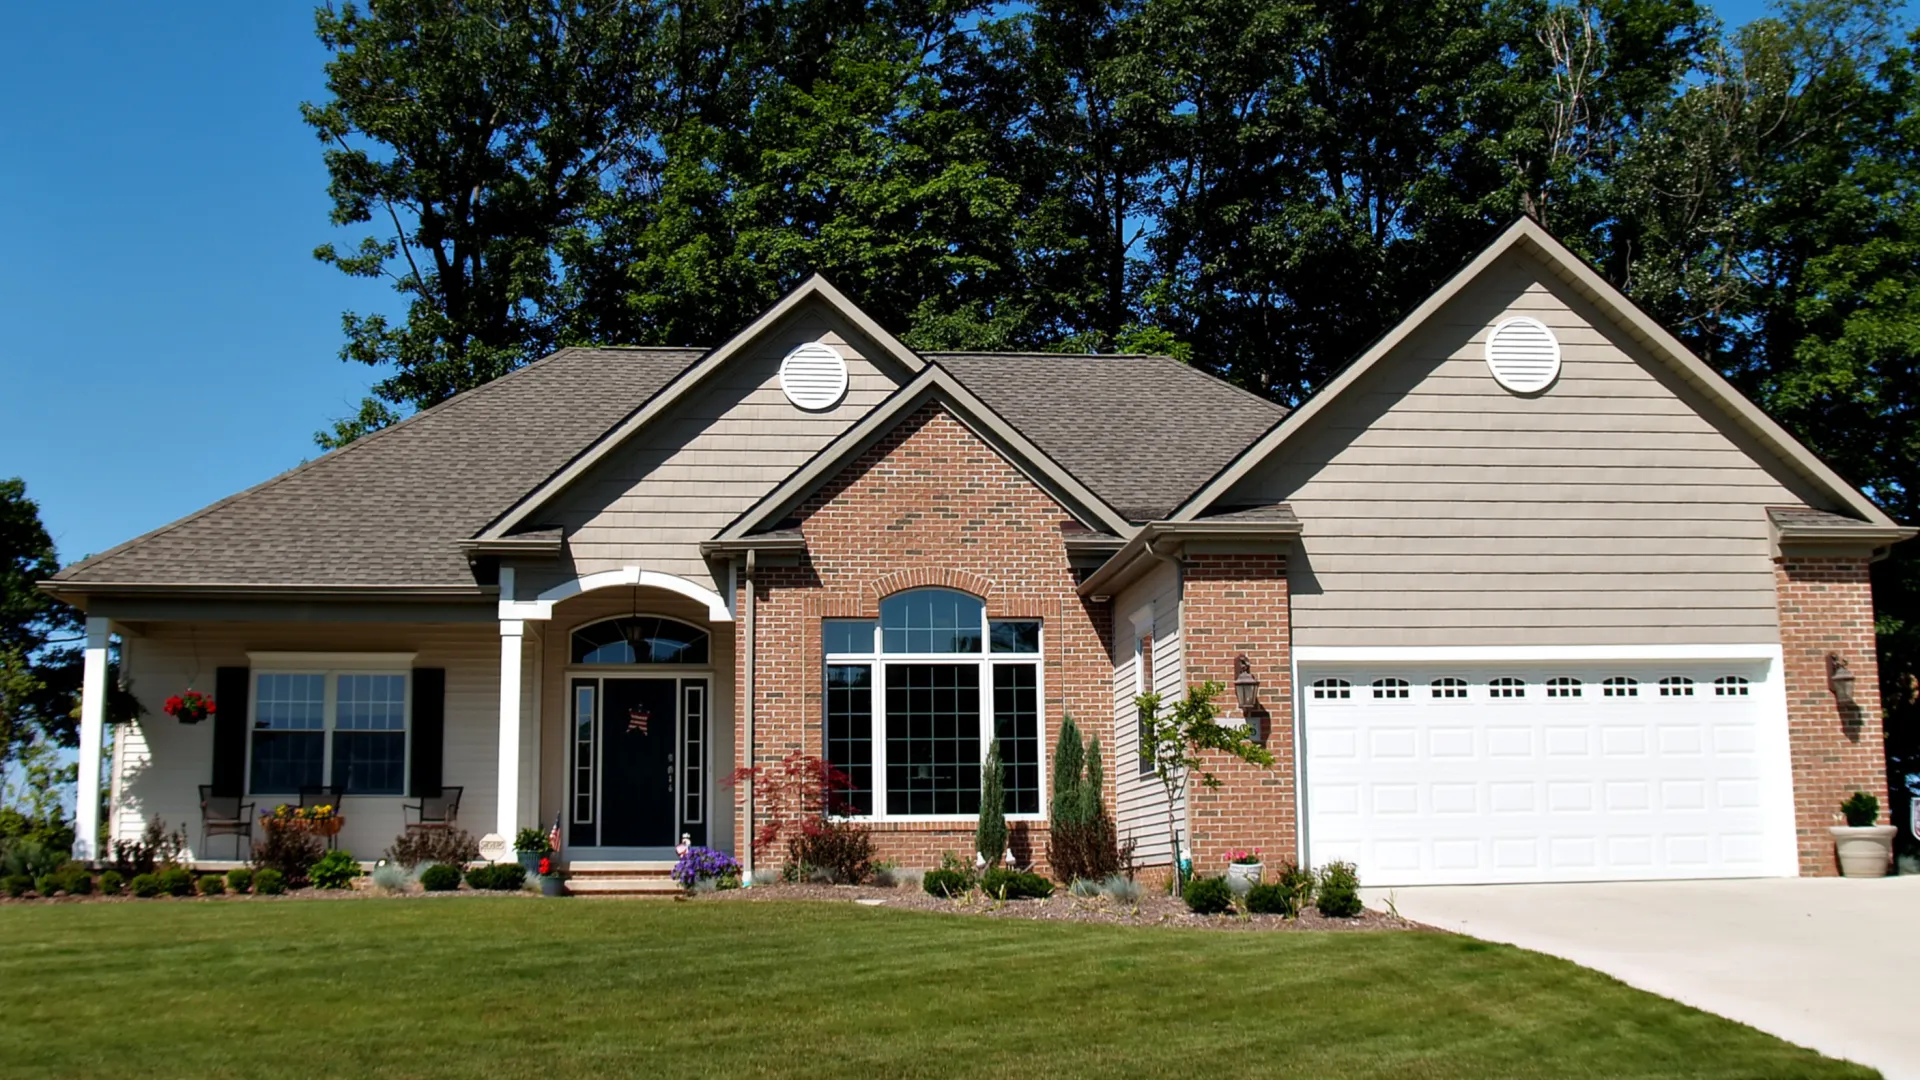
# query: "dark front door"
638,731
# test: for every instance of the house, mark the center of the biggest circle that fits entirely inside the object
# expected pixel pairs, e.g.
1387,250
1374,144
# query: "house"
1529,592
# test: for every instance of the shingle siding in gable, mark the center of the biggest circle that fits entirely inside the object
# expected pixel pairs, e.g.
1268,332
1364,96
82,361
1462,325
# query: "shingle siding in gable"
1441,509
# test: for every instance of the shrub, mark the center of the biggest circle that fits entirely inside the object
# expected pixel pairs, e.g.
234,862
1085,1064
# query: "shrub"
1300,884
1084,888
111,882
156,848
176,881
30,857
499,877
269,882
1339,893
990,835
1270,898
1861,809
239,879
16,885
1208,895
456,847
842,849
1082,841
335,870
1003,884
73,879
45,886
212,885
947,883
440,877
532,842
290,851
390,877
145,886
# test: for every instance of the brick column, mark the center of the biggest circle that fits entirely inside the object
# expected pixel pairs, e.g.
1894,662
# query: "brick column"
1826,606
1234,604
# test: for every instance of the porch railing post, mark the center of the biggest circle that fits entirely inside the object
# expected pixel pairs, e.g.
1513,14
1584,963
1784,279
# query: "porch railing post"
507,814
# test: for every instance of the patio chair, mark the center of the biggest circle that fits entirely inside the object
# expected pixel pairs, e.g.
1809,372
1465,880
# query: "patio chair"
433,811
225,815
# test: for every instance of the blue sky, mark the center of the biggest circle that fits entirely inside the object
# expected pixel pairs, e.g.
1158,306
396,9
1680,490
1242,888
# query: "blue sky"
169,338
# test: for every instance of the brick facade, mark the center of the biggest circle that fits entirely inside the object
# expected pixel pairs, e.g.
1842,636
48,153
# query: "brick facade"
1826,606
1235,604
931,504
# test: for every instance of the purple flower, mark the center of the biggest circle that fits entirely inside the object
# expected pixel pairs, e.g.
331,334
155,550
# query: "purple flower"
703,862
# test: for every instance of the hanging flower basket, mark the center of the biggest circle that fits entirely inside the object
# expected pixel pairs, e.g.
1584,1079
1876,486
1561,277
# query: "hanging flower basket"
190,707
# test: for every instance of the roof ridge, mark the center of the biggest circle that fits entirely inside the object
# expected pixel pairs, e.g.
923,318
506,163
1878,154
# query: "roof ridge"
1176,362
336,454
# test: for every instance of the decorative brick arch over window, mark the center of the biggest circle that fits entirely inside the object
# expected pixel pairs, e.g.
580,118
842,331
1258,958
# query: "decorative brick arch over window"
922,577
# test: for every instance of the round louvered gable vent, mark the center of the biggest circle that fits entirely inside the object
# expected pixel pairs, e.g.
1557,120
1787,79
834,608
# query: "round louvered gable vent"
1523,355
814,376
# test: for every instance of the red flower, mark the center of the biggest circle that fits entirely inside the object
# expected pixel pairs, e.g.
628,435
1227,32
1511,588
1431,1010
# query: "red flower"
546,866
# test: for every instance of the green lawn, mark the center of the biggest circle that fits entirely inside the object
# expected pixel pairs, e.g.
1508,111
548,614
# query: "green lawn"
484,987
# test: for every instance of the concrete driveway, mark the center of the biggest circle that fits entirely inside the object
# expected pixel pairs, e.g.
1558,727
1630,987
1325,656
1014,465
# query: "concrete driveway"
1823,962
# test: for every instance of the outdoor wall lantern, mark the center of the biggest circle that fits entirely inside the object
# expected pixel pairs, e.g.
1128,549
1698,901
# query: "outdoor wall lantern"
1840,678
1246,688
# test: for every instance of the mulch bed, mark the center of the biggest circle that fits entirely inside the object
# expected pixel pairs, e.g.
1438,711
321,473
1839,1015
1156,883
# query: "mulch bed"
1153,909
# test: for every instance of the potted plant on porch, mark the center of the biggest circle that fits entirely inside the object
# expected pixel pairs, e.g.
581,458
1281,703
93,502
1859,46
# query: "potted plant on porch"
1243,870
1865,849
551,883
531,846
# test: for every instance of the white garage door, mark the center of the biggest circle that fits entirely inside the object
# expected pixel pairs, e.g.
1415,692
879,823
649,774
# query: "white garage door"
1425,773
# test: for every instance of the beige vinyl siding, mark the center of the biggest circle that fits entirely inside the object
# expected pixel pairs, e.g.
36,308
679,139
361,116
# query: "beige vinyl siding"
555,741
159,763
1140,803
686,476
1441,509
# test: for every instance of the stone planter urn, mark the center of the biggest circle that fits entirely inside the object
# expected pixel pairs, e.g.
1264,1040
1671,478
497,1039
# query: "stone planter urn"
529,861
1242,877
1865,850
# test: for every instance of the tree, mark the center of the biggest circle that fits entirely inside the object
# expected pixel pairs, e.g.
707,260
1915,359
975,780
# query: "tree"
990,835
39,660
1176,743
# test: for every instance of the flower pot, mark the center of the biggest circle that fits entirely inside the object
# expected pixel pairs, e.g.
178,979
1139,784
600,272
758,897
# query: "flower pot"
553,885
1242,877
1865,850
529,861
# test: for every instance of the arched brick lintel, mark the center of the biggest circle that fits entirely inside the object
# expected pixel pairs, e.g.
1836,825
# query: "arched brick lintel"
928,577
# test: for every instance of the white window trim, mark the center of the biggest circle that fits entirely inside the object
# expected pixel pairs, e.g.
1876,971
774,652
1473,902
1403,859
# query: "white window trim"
987,659
330,698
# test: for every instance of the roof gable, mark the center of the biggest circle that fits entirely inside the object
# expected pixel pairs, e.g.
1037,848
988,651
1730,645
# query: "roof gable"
815,290
1527,235
934,384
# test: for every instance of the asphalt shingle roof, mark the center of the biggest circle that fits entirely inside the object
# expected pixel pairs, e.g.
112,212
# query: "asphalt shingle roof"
388,509
1144,432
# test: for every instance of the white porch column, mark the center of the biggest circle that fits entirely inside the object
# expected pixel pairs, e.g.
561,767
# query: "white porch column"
93,727
507,816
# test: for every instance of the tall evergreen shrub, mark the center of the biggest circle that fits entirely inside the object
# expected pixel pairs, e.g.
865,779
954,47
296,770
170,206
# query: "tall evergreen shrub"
1083,841
990,836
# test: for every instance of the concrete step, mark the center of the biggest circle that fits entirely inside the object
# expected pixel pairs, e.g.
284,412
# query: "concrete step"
617,869
622,886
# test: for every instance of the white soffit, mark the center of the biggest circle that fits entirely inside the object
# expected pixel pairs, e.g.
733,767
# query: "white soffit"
1523,355
814,376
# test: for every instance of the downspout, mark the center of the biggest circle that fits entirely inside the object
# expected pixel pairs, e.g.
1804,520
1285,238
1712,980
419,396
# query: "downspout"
747,863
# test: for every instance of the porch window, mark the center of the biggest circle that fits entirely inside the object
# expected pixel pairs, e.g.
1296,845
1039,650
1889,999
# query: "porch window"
639,639
309,726
914,698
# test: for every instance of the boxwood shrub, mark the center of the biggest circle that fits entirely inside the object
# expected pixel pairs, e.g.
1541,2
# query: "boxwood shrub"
440,878
145,886
948,883
176,881
499,877
212,885
239,879
269,882
1270,898
1003,884
1339,896
111,882
1208,895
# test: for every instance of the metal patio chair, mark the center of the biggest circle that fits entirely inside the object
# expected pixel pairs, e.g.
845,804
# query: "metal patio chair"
225,815
433,811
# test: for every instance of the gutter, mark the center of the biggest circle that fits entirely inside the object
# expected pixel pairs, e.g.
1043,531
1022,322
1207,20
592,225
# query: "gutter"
1120,570
747,545
58,587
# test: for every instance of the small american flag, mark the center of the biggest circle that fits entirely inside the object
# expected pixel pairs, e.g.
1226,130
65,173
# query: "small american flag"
553,835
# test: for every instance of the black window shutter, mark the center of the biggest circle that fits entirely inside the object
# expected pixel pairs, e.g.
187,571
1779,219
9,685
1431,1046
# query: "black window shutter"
429,730
230,686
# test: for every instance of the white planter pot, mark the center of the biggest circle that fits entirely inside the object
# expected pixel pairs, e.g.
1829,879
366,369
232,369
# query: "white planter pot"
1243,876
1865,850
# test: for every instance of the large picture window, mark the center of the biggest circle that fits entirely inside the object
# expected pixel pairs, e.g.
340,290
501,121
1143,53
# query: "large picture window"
914,698
312,729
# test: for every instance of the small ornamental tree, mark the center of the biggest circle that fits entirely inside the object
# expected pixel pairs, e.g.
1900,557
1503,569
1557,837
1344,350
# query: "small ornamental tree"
791,792
990,836
1173,741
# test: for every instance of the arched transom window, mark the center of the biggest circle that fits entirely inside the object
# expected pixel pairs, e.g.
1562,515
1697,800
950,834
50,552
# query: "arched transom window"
915,698
639,639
